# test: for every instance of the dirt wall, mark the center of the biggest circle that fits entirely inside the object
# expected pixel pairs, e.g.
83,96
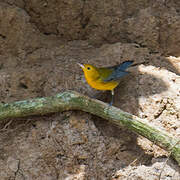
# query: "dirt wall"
152,24
41,42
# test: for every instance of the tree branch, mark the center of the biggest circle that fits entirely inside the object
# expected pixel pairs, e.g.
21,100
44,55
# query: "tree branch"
70,100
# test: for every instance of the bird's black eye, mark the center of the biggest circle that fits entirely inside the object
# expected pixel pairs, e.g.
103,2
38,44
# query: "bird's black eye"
88,68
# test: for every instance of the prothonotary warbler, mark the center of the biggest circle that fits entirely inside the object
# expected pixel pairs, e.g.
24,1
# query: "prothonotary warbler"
105,78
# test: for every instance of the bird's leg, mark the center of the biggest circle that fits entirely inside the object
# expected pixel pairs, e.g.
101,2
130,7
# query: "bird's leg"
112,98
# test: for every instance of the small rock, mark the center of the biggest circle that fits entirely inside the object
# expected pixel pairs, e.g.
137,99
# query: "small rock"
13,164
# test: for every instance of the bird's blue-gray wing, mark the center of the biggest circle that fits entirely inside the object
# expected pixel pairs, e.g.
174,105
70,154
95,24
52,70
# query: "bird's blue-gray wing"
118,71
115,76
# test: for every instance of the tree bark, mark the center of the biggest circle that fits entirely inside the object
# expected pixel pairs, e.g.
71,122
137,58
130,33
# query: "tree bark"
70,100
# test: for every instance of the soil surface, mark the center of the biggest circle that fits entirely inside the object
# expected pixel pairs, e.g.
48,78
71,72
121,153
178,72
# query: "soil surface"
40,45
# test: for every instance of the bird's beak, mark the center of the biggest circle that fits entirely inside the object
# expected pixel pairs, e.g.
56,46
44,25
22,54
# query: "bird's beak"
81,65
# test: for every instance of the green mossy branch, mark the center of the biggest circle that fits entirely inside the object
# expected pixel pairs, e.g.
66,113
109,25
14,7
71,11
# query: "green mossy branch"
70,100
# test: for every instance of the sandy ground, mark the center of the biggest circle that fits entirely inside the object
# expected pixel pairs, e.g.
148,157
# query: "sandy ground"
38,57
77,144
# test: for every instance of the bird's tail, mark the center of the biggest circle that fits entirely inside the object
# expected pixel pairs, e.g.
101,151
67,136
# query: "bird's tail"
123,66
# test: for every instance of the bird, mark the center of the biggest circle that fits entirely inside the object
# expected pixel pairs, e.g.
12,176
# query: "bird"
105,78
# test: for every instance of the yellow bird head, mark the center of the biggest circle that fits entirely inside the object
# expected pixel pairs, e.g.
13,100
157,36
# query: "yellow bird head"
90,71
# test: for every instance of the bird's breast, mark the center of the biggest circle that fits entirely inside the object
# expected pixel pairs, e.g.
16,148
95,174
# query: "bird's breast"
100,85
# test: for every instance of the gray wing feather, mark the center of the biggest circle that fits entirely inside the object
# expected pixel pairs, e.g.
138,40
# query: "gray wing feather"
116,75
